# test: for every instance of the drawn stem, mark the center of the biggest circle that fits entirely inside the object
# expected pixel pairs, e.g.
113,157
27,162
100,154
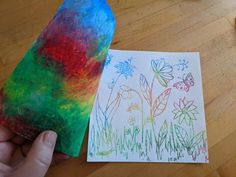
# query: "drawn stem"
141,100
109,104
151,99
192,130
108,101
152,116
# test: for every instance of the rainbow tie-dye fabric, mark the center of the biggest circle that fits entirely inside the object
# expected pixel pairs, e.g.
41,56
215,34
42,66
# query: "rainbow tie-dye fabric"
54,85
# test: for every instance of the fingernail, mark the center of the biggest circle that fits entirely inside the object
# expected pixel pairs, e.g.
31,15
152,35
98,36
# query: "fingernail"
49,138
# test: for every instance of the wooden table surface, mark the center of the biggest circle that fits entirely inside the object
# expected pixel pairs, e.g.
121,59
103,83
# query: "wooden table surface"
160,25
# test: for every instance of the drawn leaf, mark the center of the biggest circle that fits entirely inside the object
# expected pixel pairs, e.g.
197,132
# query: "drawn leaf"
99,114
197,139
182,135
162,133
145,88
114,105
133,107
161,101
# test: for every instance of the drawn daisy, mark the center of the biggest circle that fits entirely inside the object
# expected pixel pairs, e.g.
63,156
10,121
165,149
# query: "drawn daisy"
163,71
185,111
125,68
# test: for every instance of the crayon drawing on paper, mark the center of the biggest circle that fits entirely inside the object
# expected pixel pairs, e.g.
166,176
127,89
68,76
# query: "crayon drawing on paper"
149,108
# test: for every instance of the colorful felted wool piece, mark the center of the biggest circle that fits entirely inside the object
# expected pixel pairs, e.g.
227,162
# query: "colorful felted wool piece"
54,86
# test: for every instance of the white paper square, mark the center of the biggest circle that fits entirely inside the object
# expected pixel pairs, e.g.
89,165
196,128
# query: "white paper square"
149,108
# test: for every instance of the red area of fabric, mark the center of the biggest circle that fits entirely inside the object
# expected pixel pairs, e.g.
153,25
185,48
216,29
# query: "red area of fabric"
71,54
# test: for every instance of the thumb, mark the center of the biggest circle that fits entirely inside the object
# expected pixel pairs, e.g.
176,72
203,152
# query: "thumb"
39,157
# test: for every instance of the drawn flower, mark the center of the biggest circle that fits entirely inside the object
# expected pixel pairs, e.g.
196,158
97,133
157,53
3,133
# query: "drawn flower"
108,60
185,111
125,68
131,120
163,71
182,65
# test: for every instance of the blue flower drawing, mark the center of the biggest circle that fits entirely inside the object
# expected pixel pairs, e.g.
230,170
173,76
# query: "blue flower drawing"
108,59
125,68
182,65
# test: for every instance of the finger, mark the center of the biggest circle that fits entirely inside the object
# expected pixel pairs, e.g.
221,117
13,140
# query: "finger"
4,168
7,149
39,157
57,157
5,134
17,159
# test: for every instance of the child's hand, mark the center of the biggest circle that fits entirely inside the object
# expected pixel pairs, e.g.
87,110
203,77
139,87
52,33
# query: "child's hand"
13,150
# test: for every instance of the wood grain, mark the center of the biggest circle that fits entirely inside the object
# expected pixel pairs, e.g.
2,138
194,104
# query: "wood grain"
160,25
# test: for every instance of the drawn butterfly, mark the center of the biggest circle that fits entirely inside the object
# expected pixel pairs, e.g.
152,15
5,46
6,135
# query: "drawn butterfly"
185,84
163,71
